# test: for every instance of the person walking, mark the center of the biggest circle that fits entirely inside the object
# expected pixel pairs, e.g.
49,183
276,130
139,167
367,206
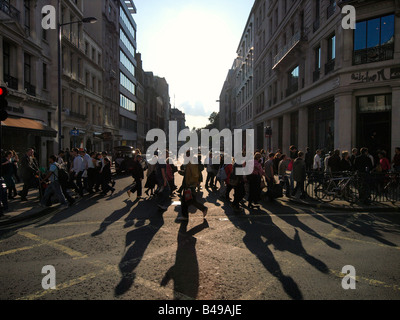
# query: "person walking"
106,178
7,168
77,171
189,198
54,188
28,172
210,173
254,181
282,172
137,175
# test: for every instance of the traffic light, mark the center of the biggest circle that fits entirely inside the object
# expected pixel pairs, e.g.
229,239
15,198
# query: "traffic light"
3,103
268,131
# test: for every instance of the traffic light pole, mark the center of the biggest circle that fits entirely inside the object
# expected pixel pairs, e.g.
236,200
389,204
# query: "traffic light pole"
59,78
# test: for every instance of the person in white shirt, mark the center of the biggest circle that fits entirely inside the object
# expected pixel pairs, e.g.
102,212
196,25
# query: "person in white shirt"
77,170
86,162
317,161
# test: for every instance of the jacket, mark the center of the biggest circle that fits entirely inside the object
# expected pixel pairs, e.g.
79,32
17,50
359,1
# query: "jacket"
299,170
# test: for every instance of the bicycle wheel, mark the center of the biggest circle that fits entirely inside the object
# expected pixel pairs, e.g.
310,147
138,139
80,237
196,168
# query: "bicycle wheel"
325,191
351,194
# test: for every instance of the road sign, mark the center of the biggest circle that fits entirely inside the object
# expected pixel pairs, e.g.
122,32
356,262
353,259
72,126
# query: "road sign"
74,133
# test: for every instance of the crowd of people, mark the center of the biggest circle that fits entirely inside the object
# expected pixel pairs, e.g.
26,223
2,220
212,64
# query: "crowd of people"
90,173
75,170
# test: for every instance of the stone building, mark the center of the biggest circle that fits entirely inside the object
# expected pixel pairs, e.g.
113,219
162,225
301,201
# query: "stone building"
321,86
26,65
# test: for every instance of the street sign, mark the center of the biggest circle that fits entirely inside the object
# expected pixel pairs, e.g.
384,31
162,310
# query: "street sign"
74,133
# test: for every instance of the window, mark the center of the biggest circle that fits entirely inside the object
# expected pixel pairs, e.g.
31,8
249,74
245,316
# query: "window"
27,14
317,63
44,76
293,81
330,65
27,68
332,48
374,40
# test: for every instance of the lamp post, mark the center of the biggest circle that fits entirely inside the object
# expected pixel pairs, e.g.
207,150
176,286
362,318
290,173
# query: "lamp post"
59,29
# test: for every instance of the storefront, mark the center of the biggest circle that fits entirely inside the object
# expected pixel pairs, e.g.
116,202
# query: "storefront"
19,134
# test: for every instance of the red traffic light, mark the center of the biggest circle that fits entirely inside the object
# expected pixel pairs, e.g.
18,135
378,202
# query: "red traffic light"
3,91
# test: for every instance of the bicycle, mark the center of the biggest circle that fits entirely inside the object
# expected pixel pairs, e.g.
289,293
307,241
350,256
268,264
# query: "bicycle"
388,186
338,187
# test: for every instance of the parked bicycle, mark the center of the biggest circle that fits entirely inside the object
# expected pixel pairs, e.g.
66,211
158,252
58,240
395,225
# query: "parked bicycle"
331,187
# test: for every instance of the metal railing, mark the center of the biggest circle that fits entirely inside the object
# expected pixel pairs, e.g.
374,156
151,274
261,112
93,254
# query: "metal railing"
369,55
354,187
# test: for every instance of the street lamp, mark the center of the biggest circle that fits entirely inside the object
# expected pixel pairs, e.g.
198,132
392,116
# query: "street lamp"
59,29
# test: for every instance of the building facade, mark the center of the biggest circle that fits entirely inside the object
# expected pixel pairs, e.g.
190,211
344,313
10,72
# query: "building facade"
26,62
106,32
128,122
321,86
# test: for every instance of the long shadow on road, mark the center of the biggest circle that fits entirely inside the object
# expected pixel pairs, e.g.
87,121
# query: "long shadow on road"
185,271
137,242
259,226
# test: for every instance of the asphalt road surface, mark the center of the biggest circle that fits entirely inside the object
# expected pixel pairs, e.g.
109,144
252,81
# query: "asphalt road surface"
115,248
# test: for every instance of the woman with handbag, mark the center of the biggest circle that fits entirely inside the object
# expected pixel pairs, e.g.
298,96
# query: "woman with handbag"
189,184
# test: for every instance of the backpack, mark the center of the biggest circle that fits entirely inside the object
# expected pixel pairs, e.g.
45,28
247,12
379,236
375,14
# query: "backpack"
62,176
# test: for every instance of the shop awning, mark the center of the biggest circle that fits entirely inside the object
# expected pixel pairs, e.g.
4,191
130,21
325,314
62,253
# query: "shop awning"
29,126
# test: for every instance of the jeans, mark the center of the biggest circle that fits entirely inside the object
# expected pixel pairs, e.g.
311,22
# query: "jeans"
54,188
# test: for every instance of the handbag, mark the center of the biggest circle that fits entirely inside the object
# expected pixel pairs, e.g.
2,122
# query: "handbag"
187,194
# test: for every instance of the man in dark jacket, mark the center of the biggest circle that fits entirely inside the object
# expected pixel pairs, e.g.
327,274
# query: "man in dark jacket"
334,161
299,174
137,175
28,171
363,165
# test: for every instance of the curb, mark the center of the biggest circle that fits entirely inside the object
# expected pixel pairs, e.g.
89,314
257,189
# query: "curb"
345,208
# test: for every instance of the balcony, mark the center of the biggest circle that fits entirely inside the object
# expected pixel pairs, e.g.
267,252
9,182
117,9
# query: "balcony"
10,10
369,55
30,89
12,83
289,50
330,66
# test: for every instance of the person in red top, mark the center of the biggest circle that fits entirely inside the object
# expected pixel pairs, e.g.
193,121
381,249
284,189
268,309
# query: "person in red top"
383,161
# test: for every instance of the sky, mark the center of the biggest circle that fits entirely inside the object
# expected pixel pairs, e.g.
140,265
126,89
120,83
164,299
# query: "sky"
192,44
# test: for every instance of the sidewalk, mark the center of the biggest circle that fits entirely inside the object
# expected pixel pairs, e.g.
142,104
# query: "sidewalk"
342,205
